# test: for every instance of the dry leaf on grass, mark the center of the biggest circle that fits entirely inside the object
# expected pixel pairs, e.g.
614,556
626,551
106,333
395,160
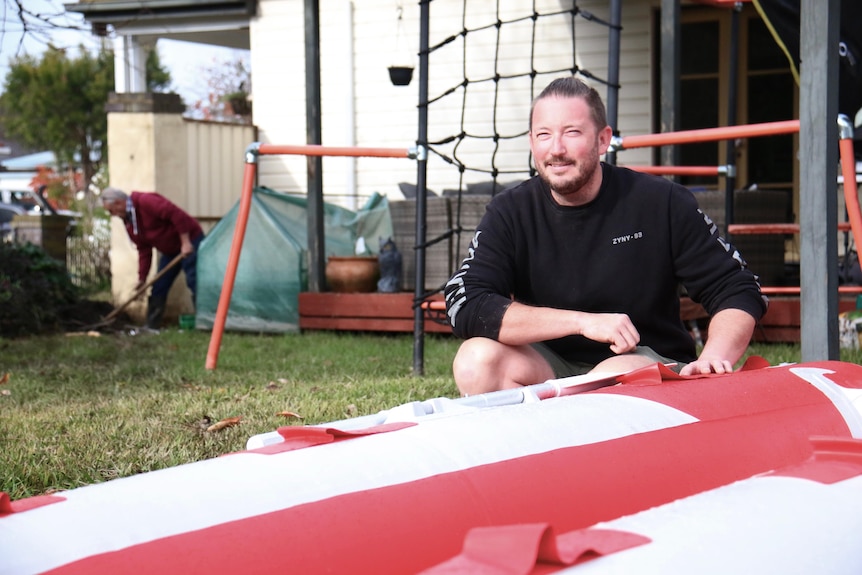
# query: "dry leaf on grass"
4,378
223,424
289,414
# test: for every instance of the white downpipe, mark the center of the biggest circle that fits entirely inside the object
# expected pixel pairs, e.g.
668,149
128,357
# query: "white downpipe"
350,103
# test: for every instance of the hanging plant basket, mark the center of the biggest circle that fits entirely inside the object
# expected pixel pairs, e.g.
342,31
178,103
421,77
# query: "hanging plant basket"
400,75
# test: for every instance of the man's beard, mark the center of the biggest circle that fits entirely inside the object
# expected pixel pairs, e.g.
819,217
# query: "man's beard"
574,183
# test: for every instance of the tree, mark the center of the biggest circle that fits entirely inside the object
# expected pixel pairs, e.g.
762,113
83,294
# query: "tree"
58,103
158,77
229,90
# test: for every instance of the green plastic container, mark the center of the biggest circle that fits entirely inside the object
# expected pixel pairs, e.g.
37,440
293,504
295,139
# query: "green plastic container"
187,321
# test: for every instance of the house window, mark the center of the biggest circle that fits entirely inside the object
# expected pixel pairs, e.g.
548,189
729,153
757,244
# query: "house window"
700,81
766,92
770,98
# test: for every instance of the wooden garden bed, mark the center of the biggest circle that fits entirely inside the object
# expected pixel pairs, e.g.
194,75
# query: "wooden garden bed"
362,312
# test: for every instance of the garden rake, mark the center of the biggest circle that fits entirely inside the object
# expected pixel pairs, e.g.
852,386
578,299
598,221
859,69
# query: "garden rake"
111,316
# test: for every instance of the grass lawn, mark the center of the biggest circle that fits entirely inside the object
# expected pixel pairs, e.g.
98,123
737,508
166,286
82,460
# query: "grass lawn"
79,410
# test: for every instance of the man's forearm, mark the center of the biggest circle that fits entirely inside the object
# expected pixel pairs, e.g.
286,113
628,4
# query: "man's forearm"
524,324
729,335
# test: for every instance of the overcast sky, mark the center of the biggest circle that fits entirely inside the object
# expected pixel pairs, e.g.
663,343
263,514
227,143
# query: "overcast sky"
47,21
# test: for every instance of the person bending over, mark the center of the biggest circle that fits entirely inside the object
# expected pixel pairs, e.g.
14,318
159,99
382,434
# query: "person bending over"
579,267
153,221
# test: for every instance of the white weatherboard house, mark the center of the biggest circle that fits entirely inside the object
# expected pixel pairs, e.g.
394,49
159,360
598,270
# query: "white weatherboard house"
473,43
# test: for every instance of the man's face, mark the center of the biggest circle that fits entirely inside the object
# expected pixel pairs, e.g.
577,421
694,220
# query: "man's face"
566,144
115,207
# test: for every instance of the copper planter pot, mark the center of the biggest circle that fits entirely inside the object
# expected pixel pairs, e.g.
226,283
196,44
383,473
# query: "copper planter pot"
352,274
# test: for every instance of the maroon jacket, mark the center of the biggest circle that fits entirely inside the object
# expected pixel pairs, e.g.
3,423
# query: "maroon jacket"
159,225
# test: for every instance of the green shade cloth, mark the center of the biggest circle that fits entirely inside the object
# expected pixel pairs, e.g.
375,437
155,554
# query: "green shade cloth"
273,263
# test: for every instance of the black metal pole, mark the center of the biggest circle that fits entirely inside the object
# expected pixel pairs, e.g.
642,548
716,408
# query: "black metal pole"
316,240
614,71
421,185
733,87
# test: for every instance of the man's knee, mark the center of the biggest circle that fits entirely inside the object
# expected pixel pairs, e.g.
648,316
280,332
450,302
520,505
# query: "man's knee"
482,365
474,355
473,366
624,362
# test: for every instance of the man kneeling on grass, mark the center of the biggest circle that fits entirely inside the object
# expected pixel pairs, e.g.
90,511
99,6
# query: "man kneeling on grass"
578,268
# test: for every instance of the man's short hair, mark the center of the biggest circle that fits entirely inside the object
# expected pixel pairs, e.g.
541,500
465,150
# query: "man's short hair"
111,194
572,87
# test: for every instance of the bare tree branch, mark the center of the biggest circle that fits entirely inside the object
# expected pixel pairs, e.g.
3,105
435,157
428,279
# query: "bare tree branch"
19,17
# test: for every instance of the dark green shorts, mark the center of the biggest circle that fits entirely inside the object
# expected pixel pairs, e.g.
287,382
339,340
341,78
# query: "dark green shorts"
564,368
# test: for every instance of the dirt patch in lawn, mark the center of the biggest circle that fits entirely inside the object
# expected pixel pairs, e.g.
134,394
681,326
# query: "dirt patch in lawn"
87,315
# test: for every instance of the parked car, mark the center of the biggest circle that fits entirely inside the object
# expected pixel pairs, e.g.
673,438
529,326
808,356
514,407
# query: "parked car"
34,202
29,203
7,212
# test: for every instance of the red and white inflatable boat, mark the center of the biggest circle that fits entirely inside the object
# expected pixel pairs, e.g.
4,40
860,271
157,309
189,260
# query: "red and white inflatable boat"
669,470
800,519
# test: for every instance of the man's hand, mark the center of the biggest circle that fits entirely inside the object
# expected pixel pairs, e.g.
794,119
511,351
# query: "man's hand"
139,289
616,329
186,247
704,366
729,333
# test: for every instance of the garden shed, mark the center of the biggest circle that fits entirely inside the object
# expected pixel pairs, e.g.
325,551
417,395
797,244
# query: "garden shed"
273,265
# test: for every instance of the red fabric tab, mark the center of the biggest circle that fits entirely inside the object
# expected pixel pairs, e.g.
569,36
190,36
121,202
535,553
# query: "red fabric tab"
754,362
8,507
528,548
585,544
509,549
835,459
301,436
657,372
